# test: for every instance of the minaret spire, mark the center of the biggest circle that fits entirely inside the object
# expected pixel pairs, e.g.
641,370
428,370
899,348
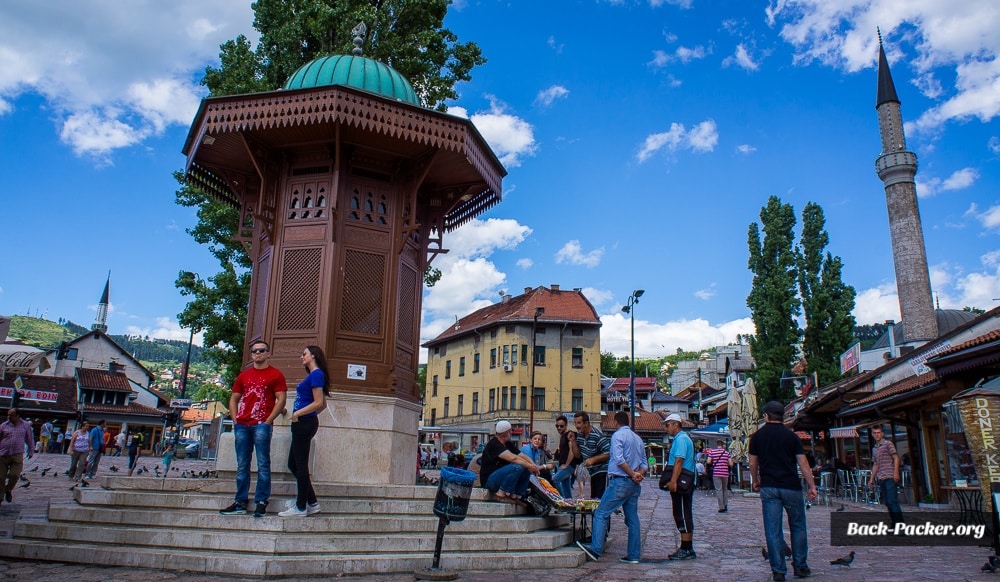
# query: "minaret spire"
101,321
897,167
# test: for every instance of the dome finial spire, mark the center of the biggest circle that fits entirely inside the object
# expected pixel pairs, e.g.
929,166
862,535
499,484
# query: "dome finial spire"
359,33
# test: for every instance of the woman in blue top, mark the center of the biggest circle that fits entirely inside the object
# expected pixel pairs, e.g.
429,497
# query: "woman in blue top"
310,398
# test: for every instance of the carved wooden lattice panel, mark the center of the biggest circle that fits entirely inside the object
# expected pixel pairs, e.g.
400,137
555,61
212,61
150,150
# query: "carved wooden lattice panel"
261,278
407,305
307,200
361,304
297,303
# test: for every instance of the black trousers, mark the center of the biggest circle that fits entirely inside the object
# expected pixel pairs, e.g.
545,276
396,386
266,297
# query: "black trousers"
303,431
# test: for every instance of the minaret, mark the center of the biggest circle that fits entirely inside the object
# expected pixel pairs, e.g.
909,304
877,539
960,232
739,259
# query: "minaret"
896,168
101,321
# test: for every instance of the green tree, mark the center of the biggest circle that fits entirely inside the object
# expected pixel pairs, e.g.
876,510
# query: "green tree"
827,302
609,364
408,35
773,302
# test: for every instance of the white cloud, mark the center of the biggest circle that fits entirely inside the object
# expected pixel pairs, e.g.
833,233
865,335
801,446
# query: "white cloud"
745,149
525,263
682,54
703,137
511,137
659,339
877,304
558,47
989,218
546,97
597,297
165,328
109,80
994,145
960,179
572,253
706,293
741,58
959,35
469,280
685,4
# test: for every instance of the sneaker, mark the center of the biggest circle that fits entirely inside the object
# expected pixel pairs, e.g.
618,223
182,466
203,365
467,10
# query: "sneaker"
777,577
234,509
627,560
683,554
586,550
261,509
8,497
803,572
724,509
294,512
312,508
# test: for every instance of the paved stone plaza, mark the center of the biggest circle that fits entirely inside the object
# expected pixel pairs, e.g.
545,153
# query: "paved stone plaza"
728,545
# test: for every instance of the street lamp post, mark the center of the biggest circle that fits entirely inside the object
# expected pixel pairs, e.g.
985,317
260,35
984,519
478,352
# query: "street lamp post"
539,311
630,310
187,364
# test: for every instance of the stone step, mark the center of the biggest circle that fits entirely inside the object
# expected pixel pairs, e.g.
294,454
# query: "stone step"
253,565
253,542
336,505
344,523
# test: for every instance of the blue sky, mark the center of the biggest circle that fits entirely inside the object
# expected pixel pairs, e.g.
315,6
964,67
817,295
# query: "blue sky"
641,140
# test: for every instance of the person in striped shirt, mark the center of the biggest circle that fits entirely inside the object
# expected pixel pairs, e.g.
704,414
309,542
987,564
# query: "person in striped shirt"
719,462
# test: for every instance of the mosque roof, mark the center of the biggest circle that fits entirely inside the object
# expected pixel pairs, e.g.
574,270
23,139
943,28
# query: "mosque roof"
353,71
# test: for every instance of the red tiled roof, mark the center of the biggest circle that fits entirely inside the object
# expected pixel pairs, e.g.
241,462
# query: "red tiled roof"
103,380
911,383
691,392
560,307
641,384
646,422
976,341
134,409
194,415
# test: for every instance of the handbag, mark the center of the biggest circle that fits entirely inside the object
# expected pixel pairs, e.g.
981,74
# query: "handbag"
685,483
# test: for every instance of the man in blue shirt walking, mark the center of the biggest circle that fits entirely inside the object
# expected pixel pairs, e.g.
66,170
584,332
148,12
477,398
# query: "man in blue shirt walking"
626,468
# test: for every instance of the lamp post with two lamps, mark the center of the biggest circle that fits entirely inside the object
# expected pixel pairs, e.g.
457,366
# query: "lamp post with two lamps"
188,281
539,311
630,310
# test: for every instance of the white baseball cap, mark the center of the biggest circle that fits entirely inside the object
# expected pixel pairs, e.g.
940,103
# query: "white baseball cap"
502,426
673,416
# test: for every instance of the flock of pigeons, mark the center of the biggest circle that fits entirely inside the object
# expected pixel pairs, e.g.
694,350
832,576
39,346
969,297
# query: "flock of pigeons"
26,482
845,561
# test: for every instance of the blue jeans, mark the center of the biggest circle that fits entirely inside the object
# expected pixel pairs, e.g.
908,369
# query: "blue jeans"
620,492
250,439
563,480
889,492
512,478
773,501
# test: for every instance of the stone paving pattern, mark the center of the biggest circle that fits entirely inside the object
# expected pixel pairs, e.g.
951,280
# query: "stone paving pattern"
728,545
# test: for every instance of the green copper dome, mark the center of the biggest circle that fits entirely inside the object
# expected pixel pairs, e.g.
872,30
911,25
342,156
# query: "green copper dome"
353,71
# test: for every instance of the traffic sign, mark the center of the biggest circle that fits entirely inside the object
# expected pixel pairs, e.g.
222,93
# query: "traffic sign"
183,403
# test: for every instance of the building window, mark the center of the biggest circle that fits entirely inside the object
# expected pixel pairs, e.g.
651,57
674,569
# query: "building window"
475,403
540,330
461,404
524,397
577,399
510,329
524,354
493,399
577,357
71,354
506,354
576,332
434,386
513,354
503,398
539,399
446,399
539,355
493,358
434,416
447,371
475,363
461,366
493,333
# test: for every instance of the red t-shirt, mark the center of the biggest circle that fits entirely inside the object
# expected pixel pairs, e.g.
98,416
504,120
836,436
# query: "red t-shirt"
258,388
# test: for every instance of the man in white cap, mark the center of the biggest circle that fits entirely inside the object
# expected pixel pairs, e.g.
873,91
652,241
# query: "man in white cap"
505,470
681,457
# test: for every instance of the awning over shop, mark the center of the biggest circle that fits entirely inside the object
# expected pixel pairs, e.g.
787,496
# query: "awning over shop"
844,432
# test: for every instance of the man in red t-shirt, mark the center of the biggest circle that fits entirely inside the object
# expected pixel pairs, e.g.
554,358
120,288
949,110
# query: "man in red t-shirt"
258,398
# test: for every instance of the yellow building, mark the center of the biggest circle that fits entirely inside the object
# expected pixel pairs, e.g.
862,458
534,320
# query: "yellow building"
527,359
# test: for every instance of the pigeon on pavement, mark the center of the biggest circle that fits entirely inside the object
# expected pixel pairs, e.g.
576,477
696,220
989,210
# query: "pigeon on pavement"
841,508
845,561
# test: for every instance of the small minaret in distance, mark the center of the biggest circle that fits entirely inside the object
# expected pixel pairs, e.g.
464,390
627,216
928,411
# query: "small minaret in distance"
896,168
101,321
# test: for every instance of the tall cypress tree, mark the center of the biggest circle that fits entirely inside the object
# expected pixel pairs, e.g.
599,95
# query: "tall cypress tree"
827,302
773,300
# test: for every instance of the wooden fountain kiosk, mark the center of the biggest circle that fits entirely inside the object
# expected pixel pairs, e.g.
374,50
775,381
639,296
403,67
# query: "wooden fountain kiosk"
345,186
